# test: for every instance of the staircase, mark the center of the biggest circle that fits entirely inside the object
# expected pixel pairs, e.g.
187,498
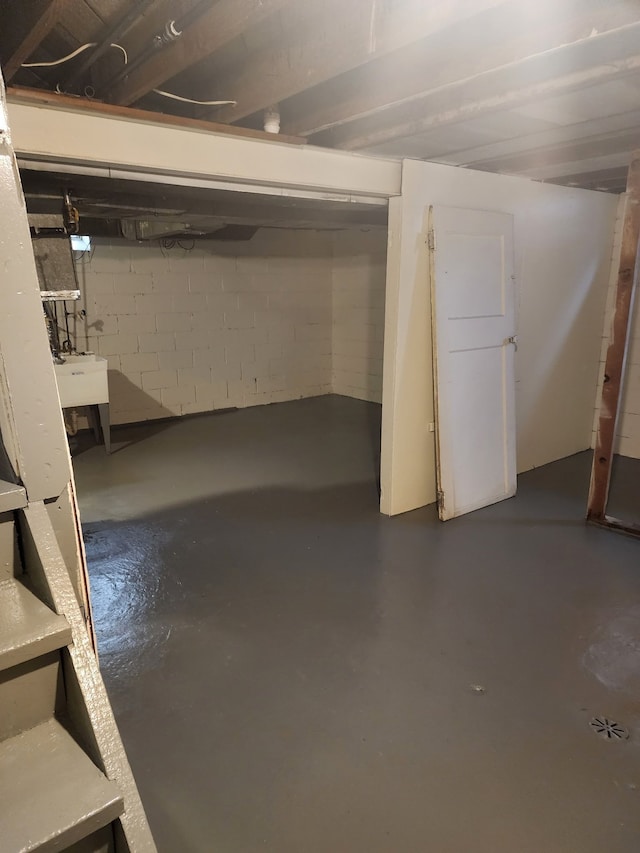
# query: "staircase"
65,783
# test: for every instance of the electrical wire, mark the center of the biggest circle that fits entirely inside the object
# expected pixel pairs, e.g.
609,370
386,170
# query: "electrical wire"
192,101
162,92
73,54
124,52
61,60
79,258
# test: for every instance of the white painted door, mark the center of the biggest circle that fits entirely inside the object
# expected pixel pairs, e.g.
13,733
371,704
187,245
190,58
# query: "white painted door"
473,317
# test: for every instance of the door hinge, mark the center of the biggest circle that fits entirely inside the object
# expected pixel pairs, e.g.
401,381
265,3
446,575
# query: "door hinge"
440,499
431,240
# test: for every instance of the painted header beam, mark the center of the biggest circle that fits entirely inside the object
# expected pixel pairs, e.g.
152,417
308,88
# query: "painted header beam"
63,135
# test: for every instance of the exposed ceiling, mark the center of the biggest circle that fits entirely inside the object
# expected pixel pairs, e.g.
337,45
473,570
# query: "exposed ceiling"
548,89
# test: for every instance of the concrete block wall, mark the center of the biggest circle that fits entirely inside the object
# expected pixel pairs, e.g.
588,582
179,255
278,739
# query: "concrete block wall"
222,325
359,279
628,431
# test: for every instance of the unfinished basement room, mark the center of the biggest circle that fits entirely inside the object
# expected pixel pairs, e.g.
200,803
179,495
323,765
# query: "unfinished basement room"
320,426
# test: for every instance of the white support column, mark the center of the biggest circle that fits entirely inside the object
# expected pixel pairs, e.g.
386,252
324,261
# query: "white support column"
407,460
30,414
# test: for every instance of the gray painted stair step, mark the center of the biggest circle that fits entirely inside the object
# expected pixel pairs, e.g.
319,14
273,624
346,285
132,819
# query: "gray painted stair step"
28,628
11,496
52,794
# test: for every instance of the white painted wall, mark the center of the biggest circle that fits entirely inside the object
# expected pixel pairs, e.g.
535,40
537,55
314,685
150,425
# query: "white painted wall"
628,428
288,314
359,280
563,248
226,324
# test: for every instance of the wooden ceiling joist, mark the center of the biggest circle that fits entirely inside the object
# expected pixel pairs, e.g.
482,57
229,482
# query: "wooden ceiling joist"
112,34
25,25
611,180
223,22
152,21
330,38
513,86
599,145
510,33
605,57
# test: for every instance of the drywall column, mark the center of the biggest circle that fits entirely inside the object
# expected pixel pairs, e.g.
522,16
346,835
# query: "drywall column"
563,243
407,463
34,432
30,417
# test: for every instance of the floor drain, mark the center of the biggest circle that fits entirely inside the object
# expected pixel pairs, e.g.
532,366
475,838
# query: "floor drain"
609,729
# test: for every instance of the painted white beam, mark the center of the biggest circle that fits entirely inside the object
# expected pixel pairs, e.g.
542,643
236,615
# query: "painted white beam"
52,134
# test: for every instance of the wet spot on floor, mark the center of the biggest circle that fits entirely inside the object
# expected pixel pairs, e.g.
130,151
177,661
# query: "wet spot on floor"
614,655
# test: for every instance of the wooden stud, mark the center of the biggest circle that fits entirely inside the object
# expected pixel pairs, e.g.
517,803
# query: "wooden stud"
617,350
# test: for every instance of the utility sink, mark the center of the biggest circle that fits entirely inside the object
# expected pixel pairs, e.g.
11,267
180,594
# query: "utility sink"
82,380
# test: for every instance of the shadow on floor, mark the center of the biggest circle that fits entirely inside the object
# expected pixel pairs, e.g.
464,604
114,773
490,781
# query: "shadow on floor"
624,493
123,436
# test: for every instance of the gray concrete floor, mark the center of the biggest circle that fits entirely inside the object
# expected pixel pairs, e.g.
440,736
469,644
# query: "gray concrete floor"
294,673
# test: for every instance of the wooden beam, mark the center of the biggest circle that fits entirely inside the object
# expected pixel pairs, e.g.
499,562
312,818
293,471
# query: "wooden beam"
223,22
25,24
323,40
628,271
601,58
18,94
613,180
152,21
109,36
513,138
511,33
599,145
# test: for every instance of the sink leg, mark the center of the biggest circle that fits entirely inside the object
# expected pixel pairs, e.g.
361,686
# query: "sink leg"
93,422
103,408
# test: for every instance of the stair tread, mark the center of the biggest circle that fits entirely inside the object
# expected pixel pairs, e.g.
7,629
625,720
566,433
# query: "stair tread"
11,496
28,628
52,794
